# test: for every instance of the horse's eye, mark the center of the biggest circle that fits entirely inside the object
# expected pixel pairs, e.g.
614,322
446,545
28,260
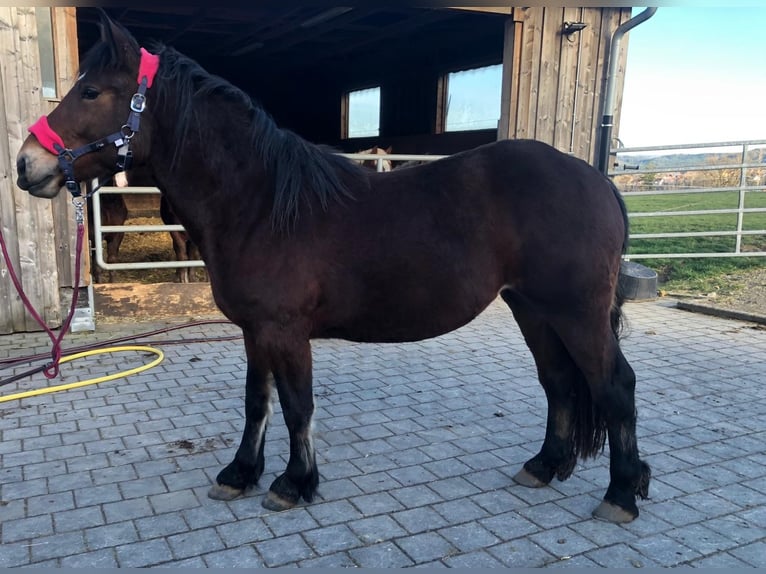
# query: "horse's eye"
89,93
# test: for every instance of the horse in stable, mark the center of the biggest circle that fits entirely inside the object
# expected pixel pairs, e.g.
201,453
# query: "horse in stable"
114,211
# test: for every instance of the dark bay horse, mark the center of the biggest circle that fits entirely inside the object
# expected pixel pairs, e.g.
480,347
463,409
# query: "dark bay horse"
302,243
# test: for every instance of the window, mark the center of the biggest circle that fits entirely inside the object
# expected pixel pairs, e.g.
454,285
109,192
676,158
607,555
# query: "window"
362,113
45,43
473,99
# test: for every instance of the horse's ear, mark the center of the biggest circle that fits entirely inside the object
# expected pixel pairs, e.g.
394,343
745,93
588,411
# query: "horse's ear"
374,150
124,46
389,148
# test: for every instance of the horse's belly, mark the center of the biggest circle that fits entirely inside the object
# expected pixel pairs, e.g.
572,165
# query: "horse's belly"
409,318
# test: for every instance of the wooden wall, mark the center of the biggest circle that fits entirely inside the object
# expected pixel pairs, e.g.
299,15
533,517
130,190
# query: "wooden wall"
38,233
545,97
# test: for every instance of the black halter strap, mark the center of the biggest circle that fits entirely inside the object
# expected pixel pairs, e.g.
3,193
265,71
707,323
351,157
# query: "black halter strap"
121,139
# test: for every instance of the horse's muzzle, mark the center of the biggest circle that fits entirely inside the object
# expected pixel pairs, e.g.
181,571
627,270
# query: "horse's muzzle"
40,177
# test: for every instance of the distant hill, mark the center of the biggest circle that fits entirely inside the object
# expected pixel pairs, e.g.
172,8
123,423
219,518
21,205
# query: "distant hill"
682,160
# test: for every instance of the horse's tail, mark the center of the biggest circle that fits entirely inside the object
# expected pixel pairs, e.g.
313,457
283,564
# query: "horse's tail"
590,431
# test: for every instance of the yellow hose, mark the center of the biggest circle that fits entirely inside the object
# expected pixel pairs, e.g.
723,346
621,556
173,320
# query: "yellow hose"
154,363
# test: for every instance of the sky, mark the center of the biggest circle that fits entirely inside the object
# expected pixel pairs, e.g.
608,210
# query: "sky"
695,75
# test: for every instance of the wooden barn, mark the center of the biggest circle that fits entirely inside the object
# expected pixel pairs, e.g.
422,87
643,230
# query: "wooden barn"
545,67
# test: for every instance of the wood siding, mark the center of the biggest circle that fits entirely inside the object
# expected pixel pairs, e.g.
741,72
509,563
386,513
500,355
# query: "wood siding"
37,232
547,95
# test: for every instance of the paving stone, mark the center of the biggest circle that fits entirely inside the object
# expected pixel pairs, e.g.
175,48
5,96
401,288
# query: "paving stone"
425,547
469,537
283,550
160,525
290,521
377,529
752,554
664,550
104,558
127,509
27,528
720,560
237,533
78,519
110,535
242,557
48,547
521,553
173,501
383,555
415,465
334,512
562,542
194,543
331,539
473,560
142,554
14,554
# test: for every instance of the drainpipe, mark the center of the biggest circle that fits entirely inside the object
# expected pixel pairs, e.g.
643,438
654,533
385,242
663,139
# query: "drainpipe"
607,121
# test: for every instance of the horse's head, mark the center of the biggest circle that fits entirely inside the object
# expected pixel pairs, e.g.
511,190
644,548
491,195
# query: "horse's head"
85,136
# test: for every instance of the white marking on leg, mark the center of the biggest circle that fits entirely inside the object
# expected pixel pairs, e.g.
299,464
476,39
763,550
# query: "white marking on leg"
260,429
307,441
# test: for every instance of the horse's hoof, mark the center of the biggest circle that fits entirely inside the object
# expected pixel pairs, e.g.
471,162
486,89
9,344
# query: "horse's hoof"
224,492
526,478
612,513
276,503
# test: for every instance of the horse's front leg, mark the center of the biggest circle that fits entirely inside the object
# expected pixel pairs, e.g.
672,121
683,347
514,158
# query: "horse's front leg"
247,467
291,364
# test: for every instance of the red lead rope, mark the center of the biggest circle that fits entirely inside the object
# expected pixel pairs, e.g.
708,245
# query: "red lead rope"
52,369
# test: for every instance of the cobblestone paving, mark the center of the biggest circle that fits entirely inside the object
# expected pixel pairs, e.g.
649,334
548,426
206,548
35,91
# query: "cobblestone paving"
416,445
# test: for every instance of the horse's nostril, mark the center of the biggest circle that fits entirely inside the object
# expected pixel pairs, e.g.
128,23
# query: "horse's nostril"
21,165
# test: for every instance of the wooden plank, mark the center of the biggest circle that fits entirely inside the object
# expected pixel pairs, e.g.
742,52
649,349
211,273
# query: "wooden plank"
64,21
530,72
34,230
548,83
509,96
568,90
11,313
590,76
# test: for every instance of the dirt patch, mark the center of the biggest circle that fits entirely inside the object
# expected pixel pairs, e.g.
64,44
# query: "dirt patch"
745,294
206,445
139,301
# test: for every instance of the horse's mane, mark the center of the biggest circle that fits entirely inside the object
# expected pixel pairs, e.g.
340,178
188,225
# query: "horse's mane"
296,168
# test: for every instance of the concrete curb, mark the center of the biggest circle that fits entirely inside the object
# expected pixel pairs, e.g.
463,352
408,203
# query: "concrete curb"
720,312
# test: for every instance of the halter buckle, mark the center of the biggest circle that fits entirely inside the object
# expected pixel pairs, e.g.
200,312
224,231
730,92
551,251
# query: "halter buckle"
138,103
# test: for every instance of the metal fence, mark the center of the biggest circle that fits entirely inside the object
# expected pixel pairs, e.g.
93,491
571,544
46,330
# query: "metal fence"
736,168
633,165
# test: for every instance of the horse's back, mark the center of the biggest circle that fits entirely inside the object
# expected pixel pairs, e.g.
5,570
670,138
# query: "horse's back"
428,248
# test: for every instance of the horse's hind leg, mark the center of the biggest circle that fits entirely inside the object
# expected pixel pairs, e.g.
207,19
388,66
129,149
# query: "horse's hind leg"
248,464
561,380
594,347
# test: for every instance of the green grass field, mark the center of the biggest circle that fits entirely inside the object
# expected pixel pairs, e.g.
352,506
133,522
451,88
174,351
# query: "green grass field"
693,273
